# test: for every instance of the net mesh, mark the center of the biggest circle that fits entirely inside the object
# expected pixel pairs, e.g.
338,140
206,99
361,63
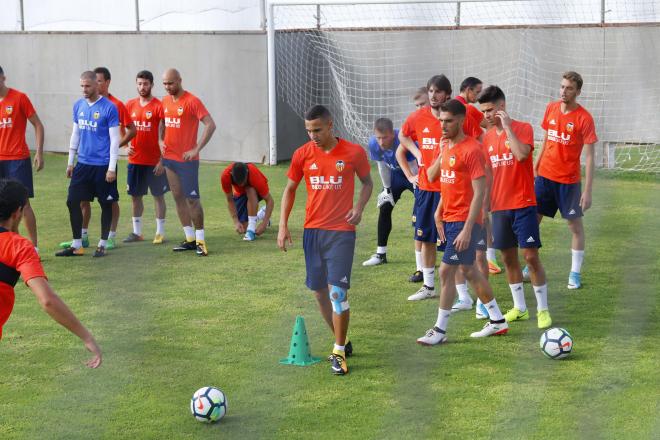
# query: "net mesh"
365,61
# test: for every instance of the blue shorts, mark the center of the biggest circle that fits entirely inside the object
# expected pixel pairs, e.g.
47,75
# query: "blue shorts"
142,178
328,258
551,196
21,170
425,205
482,244
516,228
400,184
240,202
188,173
466,257
88,181
414,210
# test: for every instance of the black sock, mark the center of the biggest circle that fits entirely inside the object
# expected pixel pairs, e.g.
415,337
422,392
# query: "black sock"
76,218
384,224
106,219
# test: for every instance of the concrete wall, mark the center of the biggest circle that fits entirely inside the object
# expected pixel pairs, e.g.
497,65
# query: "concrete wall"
227,71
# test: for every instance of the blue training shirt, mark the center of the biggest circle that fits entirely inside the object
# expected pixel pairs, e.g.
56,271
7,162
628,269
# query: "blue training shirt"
94,122
387,156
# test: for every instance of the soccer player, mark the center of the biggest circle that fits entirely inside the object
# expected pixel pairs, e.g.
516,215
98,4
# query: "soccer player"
127,131
145,168
18,258
244,187
15,110
329,165
382,149
569,128
458,218
182,112
95,139
421,97
509,144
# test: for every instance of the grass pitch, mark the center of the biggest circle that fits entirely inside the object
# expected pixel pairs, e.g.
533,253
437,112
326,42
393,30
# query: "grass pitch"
171,323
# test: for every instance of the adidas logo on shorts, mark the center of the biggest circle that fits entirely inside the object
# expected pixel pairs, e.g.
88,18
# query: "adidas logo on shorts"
109,198
193,193
482,242
571,212
344,280
530,239
454,257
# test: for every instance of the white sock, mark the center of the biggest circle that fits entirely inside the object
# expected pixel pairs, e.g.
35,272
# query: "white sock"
478,302
103,243
84,232
463,293
160,226
494,311
189,231
429,276
252,223
576,260
443,319
36,249
418,260
261,214
490,254
199,234
137,225
541,293
76,243
112,234
381,250
518,294
339,347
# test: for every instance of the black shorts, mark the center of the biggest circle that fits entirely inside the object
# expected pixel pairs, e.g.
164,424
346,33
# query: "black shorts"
88,182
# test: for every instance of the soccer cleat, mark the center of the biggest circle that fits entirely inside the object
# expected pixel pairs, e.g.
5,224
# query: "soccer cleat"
158,239
339,366
417,277
110,243
201,249
433,336
249,236
70,252
516,315
132,238
574,281
544,319
67,244
348,350
481,312
461,305
185,246
375,260
99,252
493,267
424,292
525,274
491,329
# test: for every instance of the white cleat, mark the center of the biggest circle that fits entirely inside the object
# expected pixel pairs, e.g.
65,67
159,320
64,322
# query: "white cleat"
375,260
491,329
434,336
461,305
424,292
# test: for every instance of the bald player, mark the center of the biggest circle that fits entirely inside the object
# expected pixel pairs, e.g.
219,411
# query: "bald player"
182,112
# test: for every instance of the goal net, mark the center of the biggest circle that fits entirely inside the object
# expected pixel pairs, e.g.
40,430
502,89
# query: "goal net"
365,60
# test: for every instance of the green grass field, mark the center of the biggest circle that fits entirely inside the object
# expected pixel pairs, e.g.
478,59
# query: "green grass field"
171,323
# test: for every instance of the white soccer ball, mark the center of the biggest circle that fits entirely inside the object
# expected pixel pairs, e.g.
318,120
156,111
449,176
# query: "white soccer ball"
208,404
556,343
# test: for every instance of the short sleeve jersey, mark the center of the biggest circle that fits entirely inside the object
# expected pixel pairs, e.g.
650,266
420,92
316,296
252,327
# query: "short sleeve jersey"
387,156
17,256
15,110
124,117
330,180
181,124
460,165
567,134
94,122
146,120
256,180
424,128
513,181
472,113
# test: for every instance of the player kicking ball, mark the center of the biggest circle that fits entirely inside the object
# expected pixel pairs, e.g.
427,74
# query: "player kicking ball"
245,186
20,259
328,165
458,219
509,145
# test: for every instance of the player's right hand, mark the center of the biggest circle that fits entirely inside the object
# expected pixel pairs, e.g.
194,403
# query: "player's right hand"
414,179
284,238
93,348
130,150
69,171
240,228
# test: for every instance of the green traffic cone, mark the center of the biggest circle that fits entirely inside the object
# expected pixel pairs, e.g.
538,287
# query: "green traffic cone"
299,351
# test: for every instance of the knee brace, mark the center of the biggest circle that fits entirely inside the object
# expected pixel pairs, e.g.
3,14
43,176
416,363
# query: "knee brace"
338,299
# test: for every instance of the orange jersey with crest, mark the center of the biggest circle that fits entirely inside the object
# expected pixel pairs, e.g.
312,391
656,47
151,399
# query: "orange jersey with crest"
15,110
513,181
330,180
424,128
256,179
181,124
459,165
146,120
567,134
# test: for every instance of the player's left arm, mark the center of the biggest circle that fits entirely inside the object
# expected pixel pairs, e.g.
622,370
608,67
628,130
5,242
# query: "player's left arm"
355,215
209,129
129,133
39,135
462,241
270,205
590,166
115,136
